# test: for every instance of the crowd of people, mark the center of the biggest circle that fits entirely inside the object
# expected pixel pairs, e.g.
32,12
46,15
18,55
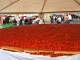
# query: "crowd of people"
22,21
60,19
25,20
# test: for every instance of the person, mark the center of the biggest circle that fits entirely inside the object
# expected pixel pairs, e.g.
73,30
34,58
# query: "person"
59,20
34,21
62,19
43,21
3,21
69,18
25,21
7,19
51,17
65,19
15,22
40,21
55,19
29,21
20,22
37,19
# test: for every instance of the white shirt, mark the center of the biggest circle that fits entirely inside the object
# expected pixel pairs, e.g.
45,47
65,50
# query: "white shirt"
69,17
59,19
40,21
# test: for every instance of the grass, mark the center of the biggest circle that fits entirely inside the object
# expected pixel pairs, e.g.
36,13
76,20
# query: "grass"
7,25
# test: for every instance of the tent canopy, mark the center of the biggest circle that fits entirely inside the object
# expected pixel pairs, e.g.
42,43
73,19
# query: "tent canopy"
38,6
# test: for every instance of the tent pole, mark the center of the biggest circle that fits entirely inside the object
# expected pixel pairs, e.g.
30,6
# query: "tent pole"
43,5
9,5
41,15
77,2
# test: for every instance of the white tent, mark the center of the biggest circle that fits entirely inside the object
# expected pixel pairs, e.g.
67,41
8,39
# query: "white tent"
38,6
